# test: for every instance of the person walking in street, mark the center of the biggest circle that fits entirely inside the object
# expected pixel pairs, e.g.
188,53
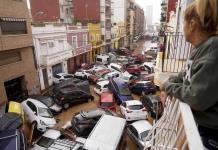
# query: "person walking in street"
198,84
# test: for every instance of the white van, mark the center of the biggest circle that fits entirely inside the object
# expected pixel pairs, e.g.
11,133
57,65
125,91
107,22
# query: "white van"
107,134
102,59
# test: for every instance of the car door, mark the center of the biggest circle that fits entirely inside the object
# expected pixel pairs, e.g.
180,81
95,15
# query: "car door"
134,134
31,111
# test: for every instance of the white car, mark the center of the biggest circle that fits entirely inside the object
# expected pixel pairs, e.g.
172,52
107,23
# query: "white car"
149,66
96,68
101,87
122,59
112,74
61,76
84,74
126,76
133,110
138,131
38,114
51,140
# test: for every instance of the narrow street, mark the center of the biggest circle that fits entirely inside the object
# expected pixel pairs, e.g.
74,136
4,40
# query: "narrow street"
67,115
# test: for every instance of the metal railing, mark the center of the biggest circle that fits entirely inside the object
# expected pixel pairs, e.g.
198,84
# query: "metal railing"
176,52
175,130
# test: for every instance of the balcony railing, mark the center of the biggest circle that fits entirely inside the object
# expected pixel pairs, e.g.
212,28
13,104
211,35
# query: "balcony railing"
175,130
48,60
176,52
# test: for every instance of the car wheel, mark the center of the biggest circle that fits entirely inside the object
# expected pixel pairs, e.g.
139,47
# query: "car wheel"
66,105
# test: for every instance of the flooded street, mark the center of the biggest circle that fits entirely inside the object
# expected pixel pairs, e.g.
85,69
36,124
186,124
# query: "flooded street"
67,115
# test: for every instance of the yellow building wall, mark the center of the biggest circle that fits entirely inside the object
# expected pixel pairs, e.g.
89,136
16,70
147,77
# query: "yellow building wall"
95,38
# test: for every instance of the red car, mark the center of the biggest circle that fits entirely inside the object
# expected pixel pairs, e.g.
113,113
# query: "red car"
134,69
107,101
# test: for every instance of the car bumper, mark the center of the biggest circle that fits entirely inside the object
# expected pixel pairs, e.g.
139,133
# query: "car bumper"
136,116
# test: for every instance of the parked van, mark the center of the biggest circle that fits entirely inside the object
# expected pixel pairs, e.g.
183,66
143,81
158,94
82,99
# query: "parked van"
107,134
102,59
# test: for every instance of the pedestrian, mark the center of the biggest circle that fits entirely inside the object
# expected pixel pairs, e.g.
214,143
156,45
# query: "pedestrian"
198,84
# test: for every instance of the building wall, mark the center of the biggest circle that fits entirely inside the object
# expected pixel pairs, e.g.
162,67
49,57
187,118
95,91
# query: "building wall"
51,48
45,10
171,7
95,38
86,10
25,67
81,52
21,44
119,11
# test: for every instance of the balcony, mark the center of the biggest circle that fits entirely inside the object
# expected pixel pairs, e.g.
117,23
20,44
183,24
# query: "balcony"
48,60
107,3
82,49
172,58
175,130
15,41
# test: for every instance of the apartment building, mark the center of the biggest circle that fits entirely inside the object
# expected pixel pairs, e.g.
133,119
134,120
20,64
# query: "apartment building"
52,51
95,11
52,11
18,76
78,39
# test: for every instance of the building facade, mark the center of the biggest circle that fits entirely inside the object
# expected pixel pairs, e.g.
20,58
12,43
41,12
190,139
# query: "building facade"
95,11
119,11
18,75
78,39
139,20
95,39
52,51
52,11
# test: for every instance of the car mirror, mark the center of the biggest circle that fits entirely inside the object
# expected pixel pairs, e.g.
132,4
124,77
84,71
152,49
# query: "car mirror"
34,112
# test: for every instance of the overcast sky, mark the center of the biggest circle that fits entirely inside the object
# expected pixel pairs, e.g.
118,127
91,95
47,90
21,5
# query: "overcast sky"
156,7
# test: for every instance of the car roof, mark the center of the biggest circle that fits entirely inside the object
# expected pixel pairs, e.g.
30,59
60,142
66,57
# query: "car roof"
36,102
133,102
141,125
103,82
143,82
53,134
106,97
118,81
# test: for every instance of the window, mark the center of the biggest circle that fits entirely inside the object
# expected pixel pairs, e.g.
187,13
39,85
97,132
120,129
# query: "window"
74,42
61,44
9,57
13,27
51,44
85,39
43,48
31,106
99,59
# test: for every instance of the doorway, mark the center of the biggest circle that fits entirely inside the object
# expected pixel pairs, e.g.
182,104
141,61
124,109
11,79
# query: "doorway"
16,89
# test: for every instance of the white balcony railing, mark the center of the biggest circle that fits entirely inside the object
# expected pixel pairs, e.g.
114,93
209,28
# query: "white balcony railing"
48,60
175,130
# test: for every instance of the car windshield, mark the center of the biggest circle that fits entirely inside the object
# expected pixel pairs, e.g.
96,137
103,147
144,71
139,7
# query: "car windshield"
98,86
68,76
135,107
48,101
45,142
106,104
44,112
125,91
144,134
